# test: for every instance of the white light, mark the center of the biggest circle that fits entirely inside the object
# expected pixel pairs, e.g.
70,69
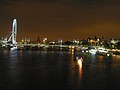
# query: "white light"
93,51
98,39
108,54
73,47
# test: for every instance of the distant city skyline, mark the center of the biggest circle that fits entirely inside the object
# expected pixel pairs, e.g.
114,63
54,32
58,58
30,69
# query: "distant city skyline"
55,19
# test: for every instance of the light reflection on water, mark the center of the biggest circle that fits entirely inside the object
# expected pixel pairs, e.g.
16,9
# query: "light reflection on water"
116,57
58,70
80,68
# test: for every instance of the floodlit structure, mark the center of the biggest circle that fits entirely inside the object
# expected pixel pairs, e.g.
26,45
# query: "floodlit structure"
14,32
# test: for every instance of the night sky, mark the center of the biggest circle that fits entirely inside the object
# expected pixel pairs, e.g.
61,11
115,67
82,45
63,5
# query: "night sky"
66,19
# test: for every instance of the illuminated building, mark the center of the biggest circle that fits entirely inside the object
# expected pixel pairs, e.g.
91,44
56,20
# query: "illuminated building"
94,41
44,40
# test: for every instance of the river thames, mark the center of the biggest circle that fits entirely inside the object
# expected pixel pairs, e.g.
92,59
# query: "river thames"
58,70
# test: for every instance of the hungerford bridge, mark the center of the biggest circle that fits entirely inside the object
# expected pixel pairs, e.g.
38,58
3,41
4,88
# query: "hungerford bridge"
11,42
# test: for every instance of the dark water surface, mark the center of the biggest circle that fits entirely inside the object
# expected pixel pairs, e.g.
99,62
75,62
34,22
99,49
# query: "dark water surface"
58,70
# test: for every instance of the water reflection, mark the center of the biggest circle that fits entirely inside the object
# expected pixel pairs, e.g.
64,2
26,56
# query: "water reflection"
21,70
116,57
72,66
80,67
72,51
76,64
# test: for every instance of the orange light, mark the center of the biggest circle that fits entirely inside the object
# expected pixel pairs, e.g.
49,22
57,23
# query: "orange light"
80,67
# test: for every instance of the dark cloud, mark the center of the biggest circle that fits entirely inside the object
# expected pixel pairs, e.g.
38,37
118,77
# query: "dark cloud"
80,3
64,1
